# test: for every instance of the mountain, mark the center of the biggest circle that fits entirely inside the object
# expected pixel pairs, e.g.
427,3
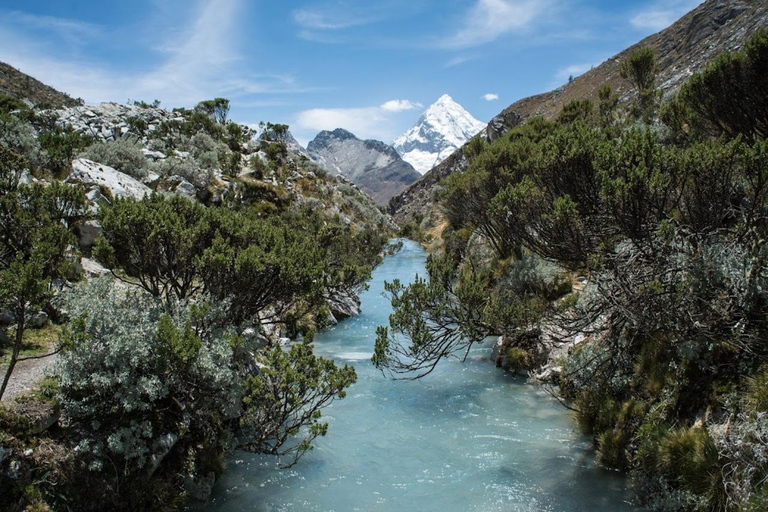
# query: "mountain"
370,164
20,86
442,129
682,49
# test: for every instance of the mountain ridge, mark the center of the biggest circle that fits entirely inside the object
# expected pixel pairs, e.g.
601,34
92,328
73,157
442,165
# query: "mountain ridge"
373,165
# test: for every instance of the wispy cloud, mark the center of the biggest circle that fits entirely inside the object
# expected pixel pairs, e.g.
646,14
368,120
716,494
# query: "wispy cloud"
487,20
335,17
400,105
661,14
64,26
491,96
198,60
459,60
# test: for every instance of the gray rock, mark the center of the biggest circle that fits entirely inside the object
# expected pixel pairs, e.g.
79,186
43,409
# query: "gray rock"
90,174
6,317
26,178
199,489
87,233
186,189
14,470
38,320
344,305
501,124
160,448
92,268
151,179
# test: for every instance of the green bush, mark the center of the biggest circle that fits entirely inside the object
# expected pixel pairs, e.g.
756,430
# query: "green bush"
123,155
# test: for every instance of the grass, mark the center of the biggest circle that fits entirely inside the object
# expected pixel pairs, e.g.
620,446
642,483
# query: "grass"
36,342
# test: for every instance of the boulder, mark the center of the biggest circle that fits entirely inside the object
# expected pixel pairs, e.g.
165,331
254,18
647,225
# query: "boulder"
344,305
92,268
160,448
89,174
38,320
199,488
87,233
186,189
7,317
501,124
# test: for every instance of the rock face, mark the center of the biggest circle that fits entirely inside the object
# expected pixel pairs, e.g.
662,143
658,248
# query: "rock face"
91,174
370,164
682,49
442,129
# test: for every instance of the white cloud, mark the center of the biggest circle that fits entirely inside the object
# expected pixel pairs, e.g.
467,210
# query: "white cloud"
491,96
662,14
400,105
364,122
380,122
488,20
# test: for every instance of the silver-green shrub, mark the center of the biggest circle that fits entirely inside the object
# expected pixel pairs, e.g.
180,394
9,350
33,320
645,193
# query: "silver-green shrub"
131,374
123,155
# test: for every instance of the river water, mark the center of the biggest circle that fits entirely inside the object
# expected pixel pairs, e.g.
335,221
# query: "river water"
468,437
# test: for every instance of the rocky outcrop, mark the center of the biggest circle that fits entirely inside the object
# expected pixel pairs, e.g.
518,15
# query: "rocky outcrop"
110,121
372,165
92,175
343,305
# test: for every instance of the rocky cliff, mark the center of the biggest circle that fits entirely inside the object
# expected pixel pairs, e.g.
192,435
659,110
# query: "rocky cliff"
372,165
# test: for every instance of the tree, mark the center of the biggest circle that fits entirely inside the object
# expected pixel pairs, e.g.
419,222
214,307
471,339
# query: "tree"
727,97
34,244
640,68
217,109
286,398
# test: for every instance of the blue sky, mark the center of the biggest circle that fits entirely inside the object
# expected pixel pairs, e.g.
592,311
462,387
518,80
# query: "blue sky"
370,66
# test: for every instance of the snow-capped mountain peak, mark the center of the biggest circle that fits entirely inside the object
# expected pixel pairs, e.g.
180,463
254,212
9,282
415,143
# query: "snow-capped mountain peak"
442,129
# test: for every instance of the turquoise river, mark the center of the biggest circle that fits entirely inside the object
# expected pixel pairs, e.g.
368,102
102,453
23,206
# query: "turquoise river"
468,437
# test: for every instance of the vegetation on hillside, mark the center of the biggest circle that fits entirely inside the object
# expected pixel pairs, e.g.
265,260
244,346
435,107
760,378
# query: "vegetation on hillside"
662,210
175,360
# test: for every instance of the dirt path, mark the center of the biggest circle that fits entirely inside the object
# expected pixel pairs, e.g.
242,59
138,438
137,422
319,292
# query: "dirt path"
25,376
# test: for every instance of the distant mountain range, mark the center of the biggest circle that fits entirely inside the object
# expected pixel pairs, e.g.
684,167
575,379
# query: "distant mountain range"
442,129
372,165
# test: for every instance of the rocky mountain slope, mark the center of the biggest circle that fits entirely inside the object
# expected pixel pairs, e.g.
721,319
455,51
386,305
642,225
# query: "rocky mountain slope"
443,128
372,165
21,86
682,49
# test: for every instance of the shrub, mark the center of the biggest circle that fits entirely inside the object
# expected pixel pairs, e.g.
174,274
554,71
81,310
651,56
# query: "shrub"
21,138
123,155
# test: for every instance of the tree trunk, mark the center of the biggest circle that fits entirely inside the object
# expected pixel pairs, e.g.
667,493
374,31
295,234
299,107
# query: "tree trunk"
14,355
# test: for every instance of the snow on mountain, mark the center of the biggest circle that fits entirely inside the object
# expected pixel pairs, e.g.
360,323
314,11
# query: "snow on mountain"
442,129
